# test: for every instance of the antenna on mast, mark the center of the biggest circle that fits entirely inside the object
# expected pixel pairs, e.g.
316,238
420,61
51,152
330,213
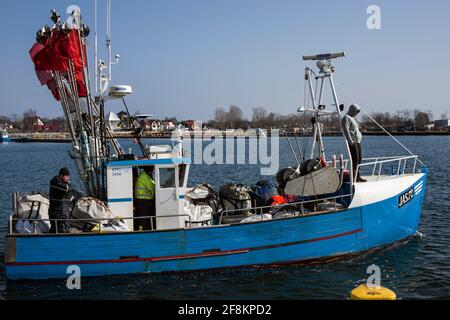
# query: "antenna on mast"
96,73
104,80
108,36
324,61
108,41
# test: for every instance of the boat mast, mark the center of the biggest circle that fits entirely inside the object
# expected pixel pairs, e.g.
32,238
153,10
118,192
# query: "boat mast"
103,81
317,134
108,38
326,70
96,73
72,88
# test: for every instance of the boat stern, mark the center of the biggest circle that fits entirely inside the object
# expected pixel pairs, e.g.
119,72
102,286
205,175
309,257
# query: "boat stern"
10,250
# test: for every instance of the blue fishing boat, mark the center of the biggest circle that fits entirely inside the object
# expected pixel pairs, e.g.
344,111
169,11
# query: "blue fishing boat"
328,213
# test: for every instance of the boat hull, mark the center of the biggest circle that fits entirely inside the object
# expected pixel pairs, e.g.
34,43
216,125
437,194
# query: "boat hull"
4,139
363,226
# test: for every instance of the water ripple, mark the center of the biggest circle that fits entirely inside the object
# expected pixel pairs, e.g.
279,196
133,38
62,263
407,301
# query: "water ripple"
417,269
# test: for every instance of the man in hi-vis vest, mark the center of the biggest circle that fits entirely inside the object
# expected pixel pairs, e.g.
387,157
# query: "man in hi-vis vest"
144,200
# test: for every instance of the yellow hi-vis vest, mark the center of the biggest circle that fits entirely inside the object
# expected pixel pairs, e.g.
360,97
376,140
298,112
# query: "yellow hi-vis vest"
145,187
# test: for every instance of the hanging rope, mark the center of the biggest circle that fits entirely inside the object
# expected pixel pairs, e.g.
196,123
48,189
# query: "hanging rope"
379,125
292,149
305,138
299,148
302,154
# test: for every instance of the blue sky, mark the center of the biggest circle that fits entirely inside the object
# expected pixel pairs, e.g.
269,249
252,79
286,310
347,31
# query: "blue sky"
187,58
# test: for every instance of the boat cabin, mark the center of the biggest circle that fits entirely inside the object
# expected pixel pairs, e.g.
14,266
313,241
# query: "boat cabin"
170,174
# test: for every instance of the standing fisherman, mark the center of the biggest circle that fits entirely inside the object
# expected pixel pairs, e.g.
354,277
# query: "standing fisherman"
59,190
144,195
354,138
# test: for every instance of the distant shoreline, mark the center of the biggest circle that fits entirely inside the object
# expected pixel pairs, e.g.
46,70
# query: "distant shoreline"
64,138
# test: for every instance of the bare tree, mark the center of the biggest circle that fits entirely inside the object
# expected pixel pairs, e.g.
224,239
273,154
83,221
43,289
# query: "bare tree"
421,120
235,117
383,118
400,120
259,117
29,119
272,120
220,118
231,119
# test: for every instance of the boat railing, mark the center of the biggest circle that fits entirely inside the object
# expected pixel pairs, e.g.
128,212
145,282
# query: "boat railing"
256,210
383,167
335,165
97,221
299,204
346,162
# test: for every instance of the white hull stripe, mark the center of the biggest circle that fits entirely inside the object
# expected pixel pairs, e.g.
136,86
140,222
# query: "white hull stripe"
418,187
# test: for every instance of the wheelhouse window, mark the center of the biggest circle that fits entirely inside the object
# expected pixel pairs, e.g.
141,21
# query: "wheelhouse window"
166,178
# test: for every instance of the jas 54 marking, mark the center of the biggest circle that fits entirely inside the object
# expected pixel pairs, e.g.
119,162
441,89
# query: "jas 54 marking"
405,197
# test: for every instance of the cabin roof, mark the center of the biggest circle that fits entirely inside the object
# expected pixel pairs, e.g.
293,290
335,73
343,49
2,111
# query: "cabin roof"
135,163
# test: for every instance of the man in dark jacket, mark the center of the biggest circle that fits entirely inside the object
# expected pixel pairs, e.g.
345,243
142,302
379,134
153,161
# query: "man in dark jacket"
59,202
354,137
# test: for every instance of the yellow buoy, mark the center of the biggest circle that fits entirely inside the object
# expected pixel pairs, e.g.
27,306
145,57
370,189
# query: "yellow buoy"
363,292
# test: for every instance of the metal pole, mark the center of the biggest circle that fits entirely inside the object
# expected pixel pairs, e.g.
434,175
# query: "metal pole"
108,37
14,203
102,127
61,91
95,152
74,89
97,86
69,94
336,101
313,98
319,130
10,231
